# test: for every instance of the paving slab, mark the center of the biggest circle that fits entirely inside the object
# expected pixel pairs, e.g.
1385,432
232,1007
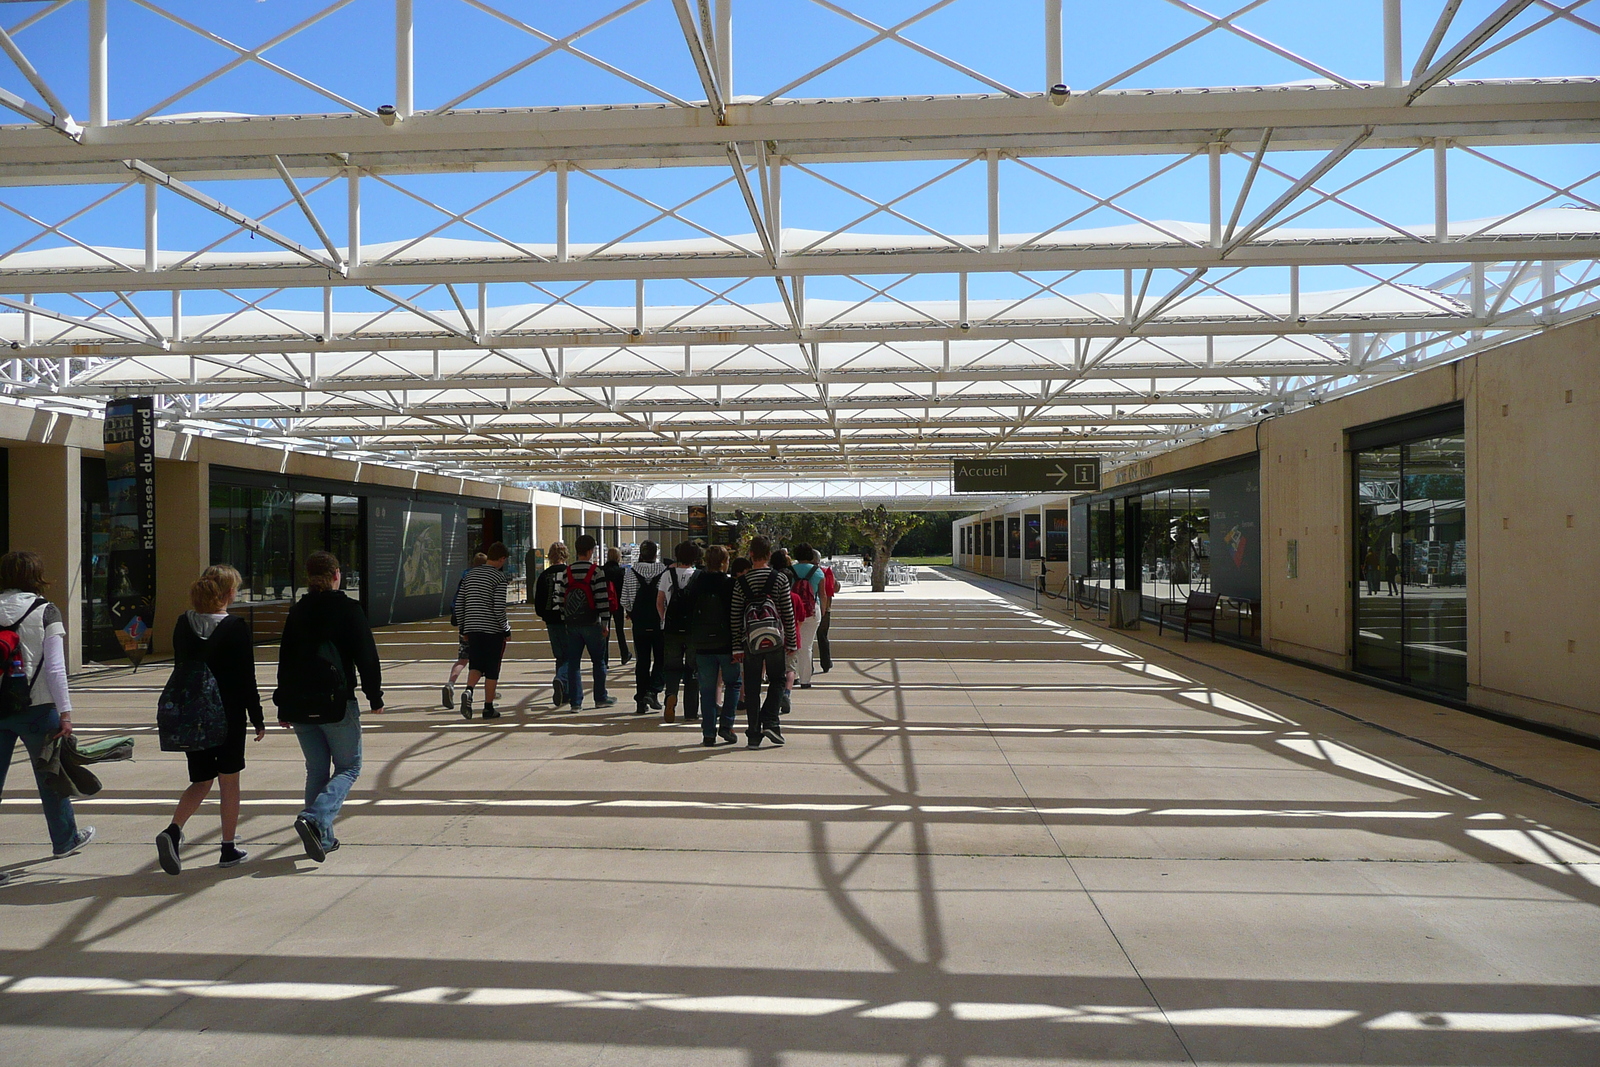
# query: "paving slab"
997,836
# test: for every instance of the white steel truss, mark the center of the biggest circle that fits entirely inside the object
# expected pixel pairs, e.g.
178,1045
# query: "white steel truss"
680,281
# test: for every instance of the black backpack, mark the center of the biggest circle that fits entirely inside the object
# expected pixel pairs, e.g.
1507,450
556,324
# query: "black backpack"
711,627
320,692
643,610
680,608
16,688
190,716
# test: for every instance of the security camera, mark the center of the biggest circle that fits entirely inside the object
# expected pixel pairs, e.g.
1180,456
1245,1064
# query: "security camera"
1059,94
16,346
321,340
965,325
388,114
636,332
1301,320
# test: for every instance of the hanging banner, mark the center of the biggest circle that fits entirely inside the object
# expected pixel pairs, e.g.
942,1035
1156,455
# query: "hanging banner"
130,440
699,523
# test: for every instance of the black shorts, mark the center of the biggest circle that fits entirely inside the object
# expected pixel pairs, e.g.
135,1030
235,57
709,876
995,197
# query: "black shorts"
226,758
484,653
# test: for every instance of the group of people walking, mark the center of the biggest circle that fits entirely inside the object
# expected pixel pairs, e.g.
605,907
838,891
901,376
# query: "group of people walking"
705,622
711,632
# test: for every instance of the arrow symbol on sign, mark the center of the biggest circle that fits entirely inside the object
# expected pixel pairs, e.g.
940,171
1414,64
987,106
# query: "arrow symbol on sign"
1059,475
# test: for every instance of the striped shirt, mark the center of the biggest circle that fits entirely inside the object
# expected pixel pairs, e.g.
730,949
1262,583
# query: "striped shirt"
755,583
605,593
481,601
630,582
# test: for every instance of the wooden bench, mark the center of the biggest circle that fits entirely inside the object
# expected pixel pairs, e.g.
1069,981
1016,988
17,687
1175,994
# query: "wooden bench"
1196,607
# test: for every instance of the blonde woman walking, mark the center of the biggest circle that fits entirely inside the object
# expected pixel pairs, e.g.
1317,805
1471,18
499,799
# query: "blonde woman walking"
206,632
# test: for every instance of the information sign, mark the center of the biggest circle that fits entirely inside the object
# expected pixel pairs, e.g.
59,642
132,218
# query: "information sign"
1067,474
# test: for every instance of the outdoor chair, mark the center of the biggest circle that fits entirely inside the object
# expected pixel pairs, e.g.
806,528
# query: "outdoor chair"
1196,607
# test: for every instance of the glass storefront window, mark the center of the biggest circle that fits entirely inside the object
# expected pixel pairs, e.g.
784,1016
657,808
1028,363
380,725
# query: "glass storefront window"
1410,563
344,540
1030,539
310,534
1014,537
272,544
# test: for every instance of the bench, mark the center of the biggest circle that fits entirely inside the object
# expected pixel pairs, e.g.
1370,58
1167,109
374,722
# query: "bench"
1196,607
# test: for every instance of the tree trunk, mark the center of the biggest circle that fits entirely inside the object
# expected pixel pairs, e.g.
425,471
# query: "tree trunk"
880,567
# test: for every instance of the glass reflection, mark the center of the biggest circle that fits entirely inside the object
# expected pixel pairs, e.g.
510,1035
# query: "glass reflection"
1411,563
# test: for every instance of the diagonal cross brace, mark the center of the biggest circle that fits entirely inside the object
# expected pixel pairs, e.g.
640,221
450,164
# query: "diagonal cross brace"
88,324
1464,48
238,218
61,119
1327,163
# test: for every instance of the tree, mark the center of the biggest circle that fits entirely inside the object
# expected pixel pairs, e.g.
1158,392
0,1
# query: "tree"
883,528
600,492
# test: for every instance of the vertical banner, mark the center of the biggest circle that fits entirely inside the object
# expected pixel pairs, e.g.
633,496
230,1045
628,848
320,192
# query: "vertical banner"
130,439
699,523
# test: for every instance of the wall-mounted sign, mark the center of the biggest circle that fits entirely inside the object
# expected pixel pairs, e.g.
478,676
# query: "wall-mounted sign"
129,436
1068,474
699,522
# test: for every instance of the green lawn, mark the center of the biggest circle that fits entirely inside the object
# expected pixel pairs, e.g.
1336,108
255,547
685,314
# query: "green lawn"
924,561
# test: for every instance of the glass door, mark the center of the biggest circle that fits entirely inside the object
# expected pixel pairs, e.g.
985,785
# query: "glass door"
1410,563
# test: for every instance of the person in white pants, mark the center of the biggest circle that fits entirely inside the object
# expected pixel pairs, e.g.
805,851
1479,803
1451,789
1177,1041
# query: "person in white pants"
808,569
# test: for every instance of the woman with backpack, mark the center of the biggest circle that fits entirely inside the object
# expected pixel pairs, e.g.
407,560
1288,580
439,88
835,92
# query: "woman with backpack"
548,608
809,583
326,641
34,703
802,612
221,644
710,594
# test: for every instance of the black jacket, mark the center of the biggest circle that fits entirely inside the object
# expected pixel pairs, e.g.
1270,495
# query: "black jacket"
541,595
328,614
710,628
230,654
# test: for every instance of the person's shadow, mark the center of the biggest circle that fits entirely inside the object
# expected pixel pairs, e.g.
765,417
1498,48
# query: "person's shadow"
651,753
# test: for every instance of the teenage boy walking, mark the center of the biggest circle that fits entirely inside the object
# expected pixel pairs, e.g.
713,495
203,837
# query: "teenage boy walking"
326,641
548,607
639,588
588,602
807,569
677,651
710,593
762,616
481,606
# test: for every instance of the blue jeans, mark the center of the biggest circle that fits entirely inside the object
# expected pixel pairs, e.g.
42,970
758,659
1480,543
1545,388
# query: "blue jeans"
711,665
560,648
338,743
597,642
35,728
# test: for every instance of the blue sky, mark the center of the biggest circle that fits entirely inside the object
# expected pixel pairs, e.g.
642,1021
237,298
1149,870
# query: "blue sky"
458,46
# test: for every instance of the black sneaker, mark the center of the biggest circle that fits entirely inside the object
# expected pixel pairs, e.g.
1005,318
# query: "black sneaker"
691,716
607,701
805,685
772,734
577,705
311,838
559,689
232,857
756,743
331,848
447,695
627,658
466,704
489,712
709,741
655,701
727,734
640,708
167,853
